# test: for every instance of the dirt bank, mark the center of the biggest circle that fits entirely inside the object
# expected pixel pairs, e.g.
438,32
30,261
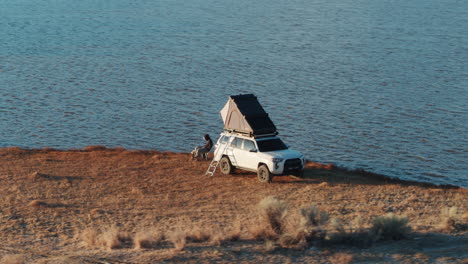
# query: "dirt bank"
56,204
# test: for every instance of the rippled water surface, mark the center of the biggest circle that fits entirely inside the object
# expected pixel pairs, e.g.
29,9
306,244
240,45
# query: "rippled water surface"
379,85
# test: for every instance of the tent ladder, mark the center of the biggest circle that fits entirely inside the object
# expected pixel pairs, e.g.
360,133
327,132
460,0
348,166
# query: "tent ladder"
214,163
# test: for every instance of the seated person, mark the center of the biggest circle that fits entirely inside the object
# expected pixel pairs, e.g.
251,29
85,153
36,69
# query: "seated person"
203,151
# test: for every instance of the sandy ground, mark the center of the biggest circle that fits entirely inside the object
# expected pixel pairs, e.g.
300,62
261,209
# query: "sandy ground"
50,199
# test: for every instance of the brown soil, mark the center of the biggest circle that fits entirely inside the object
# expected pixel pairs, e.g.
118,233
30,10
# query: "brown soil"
55,203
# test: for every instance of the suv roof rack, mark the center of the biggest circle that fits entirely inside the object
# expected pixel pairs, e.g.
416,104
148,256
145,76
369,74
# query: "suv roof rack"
250,134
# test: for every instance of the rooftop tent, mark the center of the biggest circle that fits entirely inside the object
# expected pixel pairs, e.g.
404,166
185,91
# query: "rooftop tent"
244,114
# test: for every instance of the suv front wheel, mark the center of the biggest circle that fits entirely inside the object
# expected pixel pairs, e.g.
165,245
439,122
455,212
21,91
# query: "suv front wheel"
264,174
225,166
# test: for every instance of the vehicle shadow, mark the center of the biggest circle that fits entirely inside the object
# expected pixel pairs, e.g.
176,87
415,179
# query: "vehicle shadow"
316,173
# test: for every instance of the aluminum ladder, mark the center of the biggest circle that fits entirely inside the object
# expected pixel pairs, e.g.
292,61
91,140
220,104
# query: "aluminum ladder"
214,163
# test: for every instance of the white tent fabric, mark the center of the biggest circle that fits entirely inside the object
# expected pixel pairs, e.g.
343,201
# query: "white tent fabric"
224,112
233,119
244,114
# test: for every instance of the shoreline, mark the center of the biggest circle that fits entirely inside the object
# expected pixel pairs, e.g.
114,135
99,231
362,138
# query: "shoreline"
363,173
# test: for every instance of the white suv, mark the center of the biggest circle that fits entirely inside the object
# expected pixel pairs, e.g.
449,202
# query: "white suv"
268,156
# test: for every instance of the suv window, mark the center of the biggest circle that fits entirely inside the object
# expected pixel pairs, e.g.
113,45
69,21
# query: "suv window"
271,145
248,145
237,143
225,139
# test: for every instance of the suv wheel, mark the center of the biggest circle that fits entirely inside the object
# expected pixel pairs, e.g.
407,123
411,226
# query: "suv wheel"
264,174
225,166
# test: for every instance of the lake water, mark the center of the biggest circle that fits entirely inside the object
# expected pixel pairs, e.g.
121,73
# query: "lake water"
378,85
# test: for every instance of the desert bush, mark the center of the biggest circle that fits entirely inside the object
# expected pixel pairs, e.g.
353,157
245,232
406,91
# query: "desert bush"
198,235
179,239
90,237
352,234
451,220
270,246
273,212
225,235
147,239
390,226
290,229
312,220
110,239
234,233
260,231
304,227
341,258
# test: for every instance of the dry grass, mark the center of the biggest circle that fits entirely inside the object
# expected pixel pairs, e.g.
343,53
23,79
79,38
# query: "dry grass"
272,213
13,259
288,228
341,258
270,246
135,189
305,227
179,239
148,239
36,175
199,235
452,220
390,226
352,234
110,239
90,237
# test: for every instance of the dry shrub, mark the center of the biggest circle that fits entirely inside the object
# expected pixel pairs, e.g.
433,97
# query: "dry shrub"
234,233
272,214
341,258
90,237
305,227
13,259
110,239
198,235
270,246
296,229
231,234
179,239
114,239
148,239
452,221
350,234
260,231
37,203
390,226
312,216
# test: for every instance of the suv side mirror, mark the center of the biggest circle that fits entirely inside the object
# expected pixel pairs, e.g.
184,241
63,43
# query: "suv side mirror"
253,150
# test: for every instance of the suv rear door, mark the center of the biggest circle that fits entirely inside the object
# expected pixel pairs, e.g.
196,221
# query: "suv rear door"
242,155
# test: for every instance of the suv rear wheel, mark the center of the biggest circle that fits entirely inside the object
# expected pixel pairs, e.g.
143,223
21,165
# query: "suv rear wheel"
225,166
264,174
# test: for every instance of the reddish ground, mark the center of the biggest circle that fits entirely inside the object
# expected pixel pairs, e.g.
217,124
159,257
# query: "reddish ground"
49,198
